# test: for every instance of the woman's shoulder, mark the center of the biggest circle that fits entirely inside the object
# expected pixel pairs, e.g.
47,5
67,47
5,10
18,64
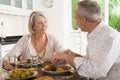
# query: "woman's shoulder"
26,37
51,36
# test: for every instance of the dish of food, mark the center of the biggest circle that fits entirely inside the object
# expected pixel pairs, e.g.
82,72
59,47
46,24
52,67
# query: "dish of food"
51,69
45,78
28,63
21,74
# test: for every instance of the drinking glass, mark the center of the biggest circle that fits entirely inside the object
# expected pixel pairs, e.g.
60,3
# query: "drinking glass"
87,78
13,61
34,60
16,61
40,60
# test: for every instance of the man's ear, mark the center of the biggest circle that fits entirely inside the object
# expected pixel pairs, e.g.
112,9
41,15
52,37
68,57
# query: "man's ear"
83,20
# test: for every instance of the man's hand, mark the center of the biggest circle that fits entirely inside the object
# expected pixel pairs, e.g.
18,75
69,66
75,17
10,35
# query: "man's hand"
67,56
72,53
58,57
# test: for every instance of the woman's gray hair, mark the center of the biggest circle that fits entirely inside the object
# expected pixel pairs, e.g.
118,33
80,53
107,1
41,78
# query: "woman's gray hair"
31,21
90,10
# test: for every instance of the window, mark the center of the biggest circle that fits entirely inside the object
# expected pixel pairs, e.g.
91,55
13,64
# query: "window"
18,3
6,2
16,7
114,14
74,4
75,40
110,12
29,4
110,9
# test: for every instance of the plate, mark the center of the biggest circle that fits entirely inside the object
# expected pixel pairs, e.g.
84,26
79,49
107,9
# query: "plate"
28,65
23,64
55,72
45,78
35,73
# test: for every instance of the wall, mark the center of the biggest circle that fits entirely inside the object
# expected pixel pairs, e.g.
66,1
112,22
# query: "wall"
13,25
17,24
55,17
59,19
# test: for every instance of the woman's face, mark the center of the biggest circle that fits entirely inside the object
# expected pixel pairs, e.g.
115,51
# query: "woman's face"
40,25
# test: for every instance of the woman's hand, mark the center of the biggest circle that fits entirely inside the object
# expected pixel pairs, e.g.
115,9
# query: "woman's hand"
6,65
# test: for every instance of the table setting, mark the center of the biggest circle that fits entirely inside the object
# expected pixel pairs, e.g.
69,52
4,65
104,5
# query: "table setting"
34,70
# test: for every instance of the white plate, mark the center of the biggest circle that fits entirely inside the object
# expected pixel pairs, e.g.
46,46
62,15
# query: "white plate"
35,73
54,72
28,65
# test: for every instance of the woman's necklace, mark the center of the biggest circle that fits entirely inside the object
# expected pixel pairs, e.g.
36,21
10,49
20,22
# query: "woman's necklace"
44,47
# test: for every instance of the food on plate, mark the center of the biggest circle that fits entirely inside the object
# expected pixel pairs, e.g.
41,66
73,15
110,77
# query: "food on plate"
28,61
19,73
66,67
50,68
60,70
56,68
45,78
47,67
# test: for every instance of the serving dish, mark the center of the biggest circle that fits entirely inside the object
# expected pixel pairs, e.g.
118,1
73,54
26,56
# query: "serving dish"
21,74
57,69
8,78
45,78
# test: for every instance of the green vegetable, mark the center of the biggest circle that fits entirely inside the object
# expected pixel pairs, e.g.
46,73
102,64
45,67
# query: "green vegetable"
28,61
52,68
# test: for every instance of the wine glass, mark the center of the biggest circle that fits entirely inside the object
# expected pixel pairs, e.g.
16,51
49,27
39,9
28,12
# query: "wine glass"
87,78
16,61
13,61
40,60
34,60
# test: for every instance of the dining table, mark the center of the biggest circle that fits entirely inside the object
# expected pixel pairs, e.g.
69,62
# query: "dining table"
70,75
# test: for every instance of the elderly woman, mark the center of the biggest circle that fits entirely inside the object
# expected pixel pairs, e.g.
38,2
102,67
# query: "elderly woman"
37,43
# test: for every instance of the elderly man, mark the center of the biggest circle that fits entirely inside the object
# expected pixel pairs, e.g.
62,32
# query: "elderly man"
103,50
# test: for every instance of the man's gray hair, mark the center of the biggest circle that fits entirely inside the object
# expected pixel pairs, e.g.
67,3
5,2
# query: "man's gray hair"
90,10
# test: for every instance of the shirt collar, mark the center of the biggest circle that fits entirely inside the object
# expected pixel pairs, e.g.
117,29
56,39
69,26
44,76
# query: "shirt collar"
94,33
